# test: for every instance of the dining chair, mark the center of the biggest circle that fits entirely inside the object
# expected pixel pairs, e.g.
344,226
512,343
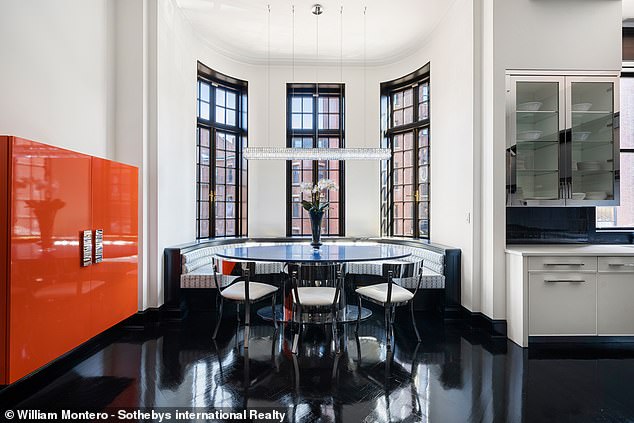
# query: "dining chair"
242,290
390,294
316,294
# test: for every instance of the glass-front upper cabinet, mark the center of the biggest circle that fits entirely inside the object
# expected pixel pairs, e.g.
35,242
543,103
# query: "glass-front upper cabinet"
593,135
562,140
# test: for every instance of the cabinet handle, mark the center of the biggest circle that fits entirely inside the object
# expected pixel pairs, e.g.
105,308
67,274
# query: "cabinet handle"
98,246
621,264
564,264
563,280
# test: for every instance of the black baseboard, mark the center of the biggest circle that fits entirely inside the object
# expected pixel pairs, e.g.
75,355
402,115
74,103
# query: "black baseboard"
496,327
578,340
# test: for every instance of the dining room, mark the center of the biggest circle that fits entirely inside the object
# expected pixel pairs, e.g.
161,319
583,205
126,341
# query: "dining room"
341,211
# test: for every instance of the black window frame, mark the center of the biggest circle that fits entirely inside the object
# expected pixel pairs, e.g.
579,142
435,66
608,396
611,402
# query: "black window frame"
218,81
315,90
413,80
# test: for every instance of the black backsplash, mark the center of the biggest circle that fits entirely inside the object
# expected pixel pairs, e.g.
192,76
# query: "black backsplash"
558,225
548,224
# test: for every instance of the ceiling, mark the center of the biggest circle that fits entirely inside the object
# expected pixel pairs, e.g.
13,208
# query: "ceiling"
628,9
238,28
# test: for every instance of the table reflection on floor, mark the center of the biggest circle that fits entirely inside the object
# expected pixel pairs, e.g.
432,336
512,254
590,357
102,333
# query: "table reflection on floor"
456,374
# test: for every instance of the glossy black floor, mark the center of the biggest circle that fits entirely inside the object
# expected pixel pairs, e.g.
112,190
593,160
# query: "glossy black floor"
456,374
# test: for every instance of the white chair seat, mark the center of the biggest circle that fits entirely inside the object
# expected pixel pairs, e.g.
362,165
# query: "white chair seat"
257,290
378,293
315,295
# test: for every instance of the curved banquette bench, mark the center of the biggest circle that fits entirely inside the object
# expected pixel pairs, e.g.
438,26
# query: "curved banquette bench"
189,268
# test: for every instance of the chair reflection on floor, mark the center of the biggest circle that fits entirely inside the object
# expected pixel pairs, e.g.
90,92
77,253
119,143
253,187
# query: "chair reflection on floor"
370,353
261,354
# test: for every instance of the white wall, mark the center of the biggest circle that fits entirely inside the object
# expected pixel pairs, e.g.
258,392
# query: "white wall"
529,34
56,73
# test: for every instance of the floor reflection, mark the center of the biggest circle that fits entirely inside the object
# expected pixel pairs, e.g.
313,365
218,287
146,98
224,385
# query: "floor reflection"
456,374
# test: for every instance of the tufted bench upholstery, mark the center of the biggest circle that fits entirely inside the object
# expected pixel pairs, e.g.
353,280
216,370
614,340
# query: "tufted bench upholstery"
197,269
189,266
433,269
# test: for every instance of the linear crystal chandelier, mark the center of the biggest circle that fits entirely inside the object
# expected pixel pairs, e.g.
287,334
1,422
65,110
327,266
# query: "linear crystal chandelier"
281,153
290,153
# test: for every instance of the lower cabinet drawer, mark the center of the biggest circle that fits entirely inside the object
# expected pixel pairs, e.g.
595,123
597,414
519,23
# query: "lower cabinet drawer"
562,303
615,304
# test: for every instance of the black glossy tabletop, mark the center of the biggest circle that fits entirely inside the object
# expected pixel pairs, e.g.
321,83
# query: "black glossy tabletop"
305,253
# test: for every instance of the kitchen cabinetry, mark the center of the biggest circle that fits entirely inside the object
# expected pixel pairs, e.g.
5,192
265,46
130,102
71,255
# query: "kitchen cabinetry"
567,291
52,302
562,140
615,293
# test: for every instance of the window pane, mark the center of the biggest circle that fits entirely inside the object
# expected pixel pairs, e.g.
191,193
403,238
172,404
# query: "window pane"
203,229
333,104
220,97
204,137
296,104
204,110
220,115
204,91
296,121
231,100
333,122
423,111
408,115
408,99
203,210
231,117
398,117
623,215
230,227
397,100
220,228
627,112
307,121
307,105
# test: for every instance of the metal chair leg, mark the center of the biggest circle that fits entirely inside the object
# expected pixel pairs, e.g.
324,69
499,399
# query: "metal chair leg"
298,334
388,339
273,312
247,320
356,330
414,321
238,312
219,319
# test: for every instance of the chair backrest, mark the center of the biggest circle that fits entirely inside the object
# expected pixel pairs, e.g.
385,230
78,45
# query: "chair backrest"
315,272
401,269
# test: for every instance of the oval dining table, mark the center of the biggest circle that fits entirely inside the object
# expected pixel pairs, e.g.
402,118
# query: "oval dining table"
305,254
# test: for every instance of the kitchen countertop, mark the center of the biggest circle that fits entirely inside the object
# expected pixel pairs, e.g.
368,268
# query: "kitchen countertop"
571,250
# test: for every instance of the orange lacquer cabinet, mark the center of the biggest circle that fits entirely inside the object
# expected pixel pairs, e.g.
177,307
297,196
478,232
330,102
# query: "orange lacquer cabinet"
52,301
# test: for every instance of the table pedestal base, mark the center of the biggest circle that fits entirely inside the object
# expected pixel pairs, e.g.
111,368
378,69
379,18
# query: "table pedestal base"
350,314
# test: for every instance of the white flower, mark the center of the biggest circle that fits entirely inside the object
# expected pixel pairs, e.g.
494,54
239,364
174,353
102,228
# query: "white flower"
326,184
306,187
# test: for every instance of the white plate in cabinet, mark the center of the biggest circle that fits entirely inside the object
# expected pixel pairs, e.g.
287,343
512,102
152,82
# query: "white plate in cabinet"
615,302
557,263
562,303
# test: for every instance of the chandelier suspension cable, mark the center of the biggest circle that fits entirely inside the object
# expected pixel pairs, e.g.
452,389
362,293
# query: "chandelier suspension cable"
293,76
341,103
365,42
299,153
268,74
